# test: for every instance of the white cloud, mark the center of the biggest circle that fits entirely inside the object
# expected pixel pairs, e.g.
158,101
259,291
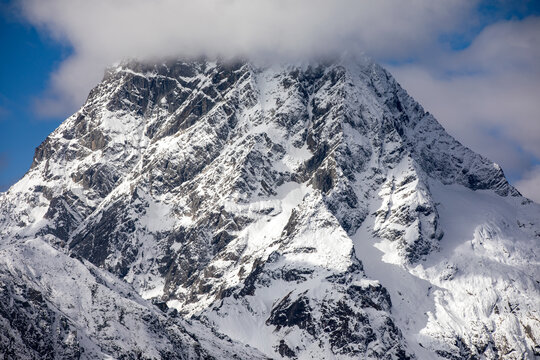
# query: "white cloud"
103,31
529,185
487,94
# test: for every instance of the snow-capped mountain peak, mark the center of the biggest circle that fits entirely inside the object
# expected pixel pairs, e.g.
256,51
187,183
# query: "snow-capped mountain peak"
307,211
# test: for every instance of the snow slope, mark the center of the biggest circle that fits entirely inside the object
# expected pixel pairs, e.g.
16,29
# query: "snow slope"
56,306
305,210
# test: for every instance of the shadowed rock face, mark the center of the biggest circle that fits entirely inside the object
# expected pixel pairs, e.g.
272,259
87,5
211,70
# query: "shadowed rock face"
236,195
38,330
64,308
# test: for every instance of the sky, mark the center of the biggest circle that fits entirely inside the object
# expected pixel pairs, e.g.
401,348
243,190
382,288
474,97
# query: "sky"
472,63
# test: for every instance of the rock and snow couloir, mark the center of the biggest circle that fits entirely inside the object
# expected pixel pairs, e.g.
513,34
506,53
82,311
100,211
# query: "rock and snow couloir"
306,211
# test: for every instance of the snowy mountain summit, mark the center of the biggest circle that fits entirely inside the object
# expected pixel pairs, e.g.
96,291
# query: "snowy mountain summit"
195,210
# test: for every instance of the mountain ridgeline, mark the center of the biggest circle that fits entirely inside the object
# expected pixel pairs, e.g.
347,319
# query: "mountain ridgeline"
211,209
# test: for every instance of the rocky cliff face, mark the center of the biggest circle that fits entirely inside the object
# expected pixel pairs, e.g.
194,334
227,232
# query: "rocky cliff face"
308,211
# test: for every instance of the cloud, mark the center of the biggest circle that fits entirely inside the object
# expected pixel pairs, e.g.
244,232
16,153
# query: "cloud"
487,94
529,185
102,32
504,46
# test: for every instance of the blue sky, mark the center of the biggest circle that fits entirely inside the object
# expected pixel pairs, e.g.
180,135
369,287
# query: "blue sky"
471,63
27,61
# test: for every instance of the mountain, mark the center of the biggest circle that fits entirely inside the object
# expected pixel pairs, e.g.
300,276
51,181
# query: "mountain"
199,209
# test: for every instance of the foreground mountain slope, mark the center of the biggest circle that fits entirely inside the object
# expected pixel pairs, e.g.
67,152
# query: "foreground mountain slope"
306,210
56,306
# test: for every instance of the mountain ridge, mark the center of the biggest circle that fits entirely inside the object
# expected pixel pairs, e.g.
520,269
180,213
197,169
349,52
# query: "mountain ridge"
233,192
